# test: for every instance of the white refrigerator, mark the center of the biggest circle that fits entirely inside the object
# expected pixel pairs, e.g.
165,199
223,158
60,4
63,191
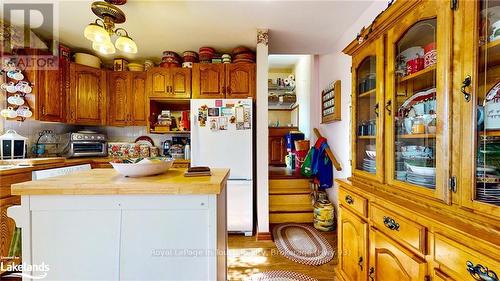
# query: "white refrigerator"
221,137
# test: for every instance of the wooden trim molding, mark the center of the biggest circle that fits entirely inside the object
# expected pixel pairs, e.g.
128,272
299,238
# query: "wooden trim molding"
264,236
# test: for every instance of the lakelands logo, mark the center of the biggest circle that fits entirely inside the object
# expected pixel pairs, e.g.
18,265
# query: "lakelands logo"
37,271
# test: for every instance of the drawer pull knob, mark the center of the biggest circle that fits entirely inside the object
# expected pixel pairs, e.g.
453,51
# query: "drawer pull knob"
349,199
480,272
360,263
391,223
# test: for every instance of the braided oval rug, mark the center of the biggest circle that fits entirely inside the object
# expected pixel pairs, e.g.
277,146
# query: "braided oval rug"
302,243
279,275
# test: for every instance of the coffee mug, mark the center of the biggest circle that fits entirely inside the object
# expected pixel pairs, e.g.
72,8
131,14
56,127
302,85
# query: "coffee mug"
9,112
15,74
24,111
16,100
9,87
24,87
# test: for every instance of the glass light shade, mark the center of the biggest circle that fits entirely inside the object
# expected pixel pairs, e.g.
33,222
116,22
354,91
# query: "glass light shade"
105,48
126,44
96,33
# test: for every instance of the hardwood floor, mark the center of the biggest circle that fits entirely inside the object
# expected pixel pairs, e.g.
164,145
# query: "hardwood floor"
247,256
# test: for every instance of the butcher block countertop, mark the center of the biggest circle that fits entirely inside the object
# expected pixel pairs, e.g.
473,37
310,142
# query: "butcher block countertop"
109,182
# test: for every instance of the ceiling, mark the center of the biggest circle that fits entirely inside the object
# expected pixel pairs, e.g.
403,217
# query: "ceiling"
283,61
296,27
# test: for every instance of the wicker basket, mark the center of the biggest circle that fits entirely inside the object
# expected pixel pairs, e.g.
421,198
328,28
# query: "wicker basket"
301,145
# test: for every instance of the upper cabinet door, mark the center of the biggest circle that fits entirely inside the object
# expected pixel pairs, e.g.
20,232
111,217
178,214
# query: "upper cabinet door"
51,99
367,106
137,98
159,82
240,80
418,101
88,95
118,101
180,83
208,81
479,186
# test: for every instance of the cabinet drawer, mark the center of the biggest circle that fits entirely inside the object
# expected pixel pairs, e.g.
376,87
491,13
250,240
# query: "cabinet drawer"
353,201
460,260
398,227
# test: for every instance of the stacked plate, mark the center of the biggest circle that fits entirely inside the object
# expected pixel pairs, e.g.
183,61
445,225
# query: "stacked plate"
488,193
243,54
206,54
226,58
369,165
422,180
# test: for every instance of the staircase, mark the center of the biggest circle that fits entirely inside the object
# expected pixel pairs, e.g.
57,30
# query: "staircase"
290,201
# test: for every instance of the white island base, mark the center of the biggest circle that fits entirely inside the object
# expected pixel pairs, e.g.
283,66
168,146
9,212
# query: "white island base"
124,237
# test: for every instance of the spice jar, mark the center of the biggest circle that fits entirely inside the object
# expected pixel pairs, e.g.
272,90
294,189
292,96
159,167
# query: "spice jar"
418,126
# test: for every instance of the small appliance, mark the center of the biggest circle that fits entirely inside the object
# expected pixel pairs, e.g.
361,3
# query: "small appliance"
84,144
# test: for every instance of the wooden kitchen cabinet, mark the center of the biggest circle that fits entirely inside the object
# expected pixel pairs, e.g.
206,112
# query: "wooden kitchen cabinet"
208,81
277,150
219,81
433,198
353,257
52,90
389,261
127,98
87,100
240,80
169,82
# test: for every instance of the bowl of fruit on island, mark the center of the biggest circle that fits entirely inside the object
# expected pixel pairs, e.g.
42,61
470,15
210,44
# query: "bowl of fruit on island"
142,167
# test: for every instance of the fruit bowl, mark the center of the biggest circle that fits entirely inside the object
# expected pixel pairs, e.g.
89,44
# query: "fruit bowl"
143,167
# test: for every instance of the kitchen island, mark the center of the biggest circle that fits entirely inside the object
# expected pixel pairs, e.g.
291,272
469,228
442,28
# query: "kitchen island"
99,225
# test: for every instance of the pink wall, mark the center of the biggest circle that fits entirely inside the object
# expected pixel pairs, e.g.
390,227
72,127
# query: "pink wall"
336,66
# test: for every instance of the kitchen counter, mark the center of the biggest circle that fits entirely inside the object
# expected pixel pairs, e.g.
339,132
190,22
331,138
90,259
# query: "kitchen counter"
108,181
164,227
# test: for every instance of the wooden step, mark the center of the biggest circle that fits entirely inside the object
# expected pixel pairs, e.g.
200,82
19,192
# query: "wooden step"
290,203
306,217
282,208
289,186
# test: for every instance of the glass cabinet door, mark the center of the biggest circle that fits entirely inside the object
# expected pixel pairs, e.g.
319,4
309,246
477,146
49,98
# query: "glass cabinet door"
481,103
368,77
416,102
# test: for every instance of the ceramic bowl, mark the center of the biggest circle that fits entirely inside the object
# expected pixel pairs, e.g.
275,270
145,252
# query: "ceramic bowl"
143,168
135,67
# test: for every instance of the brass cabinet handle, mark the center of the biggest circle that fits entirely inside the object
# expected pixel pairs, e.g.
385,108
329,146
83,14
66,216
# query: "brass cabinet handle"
360,263
349,200
388,107
466,83
391,223
480,272
228,89
371,273
376,109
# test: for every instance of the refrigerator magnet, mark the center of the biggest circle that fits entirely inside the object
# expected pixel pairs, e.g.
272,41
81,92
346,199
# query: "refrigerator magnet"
240,115
226,111
202,117
214,124
232,119
223,123
240,126
218,103
213,111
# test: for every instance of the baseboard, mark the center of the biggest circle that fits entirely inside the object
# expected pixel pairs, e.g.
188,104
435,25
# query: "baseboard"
264,236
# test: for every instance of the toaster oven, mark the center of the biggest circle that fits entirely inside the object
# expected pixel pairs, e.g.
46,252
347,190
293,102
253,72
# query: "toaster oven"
84,144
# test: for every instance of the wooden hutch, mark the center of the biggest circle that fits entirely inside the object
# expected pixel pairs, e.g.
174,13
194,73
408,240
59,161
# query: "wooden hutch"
423,202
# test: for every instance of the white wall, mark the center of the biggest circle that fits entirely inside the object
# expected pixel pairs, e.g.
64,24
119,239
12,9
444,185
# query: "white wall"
336,66
303,77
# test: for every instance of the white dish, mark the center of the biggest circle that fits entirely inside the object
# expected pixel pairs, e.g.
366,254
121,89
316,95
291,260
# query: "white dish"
424,171
143,168
371,154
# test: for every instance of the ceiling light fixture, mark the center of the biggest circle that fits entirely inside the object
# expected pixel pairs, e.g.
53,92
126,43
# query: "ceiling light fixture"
100,31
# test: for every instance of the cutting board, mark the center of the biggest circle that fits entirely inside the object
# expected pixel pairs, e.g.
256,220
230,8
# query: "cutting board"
33,161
